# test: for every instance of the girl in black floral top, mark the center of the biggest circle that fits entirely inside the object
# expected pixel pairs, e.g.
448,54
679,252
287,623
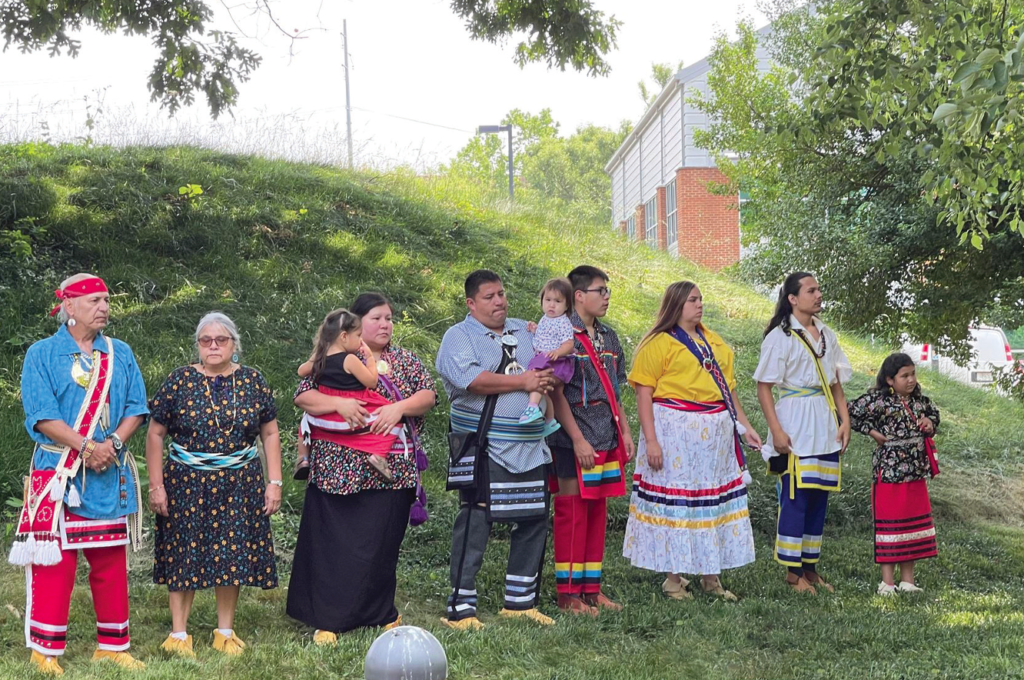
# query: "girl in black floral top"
902,421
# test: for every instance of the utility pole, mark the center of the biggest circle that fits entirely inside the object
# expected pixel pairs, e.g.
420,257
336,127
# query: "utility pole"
494,129
348,100
511,183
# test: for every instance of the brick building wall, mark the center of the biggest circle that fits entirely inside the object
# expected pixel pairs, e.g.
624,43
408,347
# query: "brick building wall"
709,225
662,232
641,222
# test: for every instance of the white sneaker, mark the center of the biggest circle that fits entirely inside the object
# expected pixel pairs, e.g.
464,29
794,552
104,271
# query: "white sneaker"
908,587
886,590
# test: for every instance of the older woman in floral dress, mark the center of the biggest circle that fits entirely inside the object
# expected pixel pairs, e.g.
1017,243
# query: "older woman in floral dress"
213,507
354,520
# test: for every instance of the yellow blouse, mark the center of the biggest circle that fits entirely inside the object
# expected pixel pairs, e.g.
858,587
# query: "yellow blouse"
665,364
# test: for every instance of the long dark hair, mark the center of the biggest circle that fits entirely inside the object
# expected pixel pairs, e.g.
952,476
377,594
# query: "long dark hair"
334,323
671,309
783,308
364,302
890,367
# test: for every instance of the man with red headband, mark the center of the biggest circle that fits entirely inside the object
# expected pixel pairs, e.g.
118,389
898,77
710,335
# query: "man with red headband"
83,397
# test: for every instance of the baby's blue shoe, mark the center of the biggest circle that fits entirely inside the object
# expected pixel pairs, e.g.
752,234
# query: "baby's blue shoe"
531,414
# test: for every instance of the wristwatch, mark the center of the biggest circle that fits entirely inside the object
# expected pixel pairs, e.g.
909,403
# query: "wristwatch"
276,482
116,441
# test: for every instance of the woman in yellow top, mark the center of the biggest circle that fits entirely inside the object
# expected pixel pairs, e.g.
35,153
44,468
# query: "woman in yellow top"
688,512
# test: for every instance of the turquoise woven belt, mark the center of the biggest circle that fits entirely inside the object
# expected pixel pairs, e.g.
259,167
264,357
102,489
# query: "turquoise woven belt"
502,429
200,460
800,392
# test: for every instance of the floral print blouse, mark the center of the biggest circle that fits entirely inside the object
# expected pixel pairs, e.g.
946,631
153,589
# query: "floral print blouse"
903,457
342,470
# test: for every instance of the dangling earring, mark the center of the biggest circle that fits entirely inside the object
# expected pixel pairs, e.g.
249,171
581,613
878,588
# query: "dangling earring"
234,357
71,323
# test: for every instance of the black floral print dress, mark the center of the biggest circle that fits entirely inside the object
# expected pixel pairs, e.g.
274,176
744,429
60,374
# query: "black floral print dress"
903,457
338,469
216,533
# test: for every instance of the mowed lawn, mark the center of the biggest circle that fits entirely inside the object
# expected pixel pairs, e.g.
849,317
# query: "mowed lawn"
276,245
968,623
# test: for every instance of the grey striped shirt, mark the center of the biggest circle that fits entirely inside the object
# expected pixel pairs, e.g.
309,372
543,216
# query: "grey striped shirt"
468,349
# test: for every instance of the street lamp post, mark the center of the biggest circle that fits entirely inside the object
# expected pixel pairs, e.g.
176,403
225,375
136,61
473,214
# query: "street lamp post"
492,129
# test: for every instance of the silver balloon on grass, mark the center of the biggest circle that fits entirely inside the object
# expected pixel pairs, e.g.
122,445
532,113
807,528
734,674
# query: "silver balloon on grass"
406,653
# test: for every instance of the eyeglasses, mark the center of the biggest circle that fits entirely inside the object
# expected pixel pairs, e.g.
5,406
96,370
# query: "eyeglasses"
603,291
220,341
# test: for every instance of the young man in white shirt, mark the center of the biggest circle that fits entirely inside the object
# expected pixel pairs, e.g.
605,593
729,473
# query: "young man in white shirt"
809,426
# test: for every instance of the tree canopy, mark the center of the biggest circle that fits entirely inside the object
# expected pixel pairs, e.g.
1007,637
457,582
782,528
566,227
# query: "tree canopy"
660,74
194,59
943,77
879,151
560,32
568,171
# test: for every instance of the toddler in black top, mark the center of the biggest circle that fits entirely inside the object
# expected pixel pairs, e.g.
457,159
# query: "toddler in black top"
338,370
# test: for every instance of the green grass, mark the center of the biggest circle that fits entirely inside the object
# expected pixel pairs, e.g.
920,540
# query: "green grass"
277,245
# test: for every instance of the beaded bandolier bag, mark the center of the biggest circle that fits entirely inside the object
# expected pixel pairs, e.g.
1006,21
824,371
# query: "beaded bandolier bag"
39,539
706,356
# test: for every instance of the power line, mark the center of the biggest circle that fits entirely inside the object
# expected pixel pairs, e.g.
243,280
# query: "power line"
412,120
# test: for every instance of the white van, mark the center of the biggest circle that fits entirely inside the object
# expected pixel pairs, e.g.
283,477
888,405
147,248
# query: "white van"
990,350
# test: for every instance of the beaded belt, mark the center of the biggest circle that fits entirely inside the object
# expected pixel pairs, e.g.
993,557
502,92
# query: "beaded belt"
786,391
904,442
201,460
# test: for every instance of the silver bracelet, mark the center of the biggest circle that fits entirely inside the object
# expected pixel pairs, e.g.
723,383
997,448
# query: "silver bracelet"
276,482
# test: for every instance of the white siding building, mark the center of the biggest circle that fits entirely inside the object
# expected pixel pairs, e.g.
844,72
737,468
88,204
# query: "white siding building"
659,177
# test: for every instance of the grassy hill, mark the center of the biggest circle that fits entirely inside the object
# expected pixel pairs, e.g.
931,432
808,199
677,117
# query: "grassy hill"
277,245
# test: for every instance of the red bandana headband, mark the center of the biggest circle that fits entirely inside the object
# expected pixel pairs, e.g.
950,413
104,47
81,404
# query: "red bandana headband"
79,289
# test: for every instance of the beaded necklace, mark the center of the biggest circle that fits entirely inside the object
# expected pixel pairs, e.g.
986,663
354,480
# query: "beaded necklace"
597,338
824,344
214,408
707,360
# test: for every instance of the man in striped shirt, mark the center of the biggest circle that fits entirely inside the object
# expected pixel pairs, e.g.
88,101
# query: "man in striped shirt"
514,486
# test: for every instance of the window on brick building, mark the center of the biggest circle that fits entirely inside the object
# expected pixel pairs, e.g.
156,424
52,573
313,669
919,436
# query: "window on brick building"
651,222
631,226
671,216
744,199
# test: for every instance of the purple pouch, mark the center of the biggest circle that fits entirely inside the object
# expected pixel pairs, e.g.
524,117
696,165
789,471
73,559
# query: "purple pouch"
418,511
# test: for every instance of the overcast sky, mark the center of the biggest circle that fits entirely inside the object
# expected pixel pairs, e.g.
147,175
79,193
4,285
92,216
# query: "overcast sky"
409,58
